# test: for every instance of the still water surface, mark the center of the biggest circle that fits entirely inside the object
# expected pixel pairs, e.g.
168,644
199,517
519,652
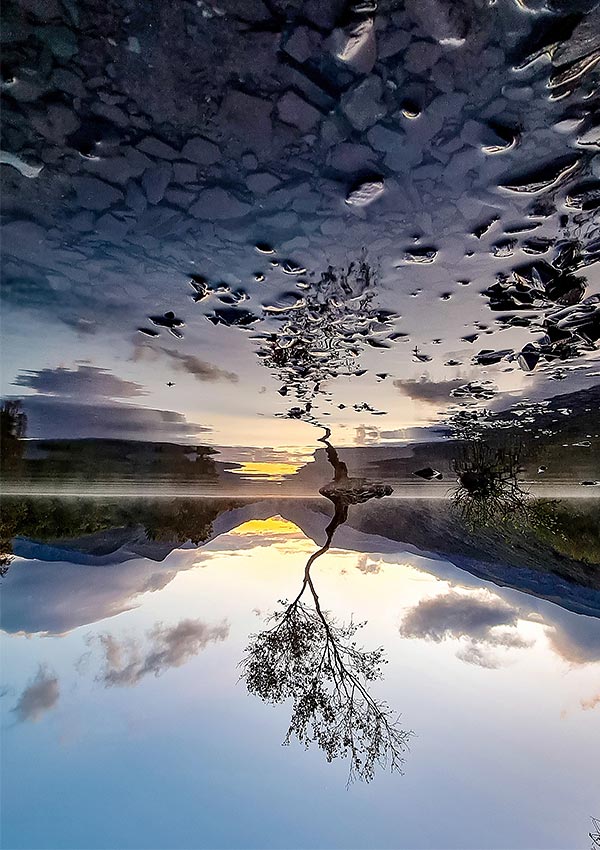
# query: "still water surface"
299,424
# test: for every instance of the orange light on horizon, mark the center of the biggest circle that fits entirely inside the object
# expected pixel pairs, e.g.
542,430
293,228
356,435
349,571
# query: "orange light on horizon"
273,525
268,470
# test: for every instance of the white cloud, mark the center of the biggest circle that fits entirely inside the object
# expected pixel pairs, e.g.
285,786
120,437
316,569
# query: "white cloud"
40,695
127,662
480,620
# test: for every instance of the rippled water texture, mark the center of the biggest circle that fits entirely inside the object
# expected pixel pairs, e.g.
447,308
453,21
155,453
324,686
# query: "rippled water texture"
300,429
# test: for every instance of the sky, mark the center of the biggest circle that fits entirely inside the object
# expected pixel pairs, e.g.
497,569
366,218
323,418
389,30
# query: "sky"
98,246
137,701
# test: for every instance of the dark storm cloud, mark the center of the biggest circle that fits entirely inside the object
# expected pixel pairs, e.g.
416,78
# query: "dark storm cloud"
483,620
200,369
435,392
40,695
84,382
49,417
126,662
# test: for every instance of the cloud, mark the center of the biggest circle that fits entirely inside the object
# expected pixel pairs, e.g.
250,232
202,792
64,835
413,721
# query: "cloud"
189,363
574,647
366,436
456,614
481,620
474,653
85,402
84,382
396,434
40,695
592,702
126,662
84,327
200,369
54,419
367,565
434,392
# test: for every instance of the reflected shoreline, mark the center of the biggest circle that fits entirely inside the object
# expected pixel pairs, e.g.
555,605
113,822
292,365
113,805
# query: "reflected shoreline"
404,491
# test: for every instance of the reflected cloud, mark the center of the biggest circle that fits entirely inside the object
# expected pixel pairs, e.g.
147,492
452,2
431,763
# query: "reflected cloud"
53,418
434,392
189,363
366,436
200,369
482,619
40,696
82,401
126,662
84,382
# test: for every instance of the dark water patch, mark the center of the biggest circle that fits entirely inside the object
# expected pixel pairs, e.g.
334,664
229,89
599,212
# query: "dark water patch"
537,246
585,196
483,228
420,255
264,248
170,322
488,357
232,316
477,390
549,176
525,227
504,248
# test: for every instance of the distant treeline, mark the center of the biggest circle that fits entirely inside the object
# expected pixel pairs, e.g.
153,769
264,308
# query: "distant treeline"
61,519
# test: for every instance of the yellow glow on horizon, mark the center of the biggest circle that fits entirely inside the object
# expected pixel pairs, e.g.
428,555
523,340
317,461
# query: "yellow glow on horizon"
268,470
273,525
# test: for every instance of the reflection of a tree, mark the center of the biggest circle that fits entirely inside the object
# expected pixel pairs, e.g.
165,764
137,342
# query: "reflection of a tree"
306,656
13,427
323,331
488,488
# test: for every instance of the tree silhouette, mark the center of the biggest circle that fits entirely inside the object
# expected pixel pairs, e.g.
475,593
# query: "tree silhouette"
307,657
13,427
489,489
